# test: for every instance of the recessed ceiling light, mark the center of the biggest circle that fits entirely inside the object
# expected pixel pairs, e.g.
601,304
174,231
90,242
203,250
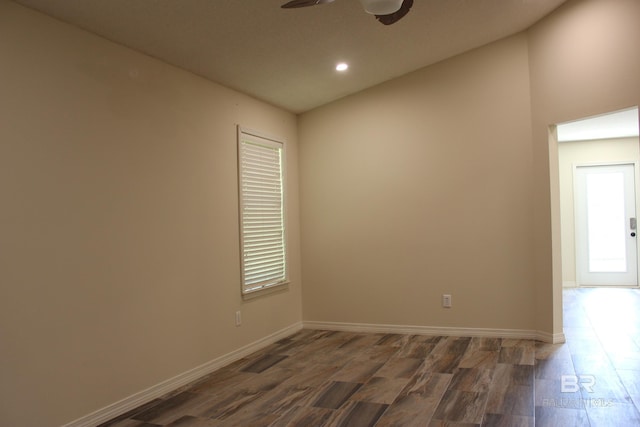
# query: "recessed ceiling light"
342,66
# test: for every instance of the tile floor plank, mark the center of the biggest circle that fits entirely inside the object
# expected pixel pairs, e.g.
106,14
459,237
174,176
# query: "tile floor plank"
336,394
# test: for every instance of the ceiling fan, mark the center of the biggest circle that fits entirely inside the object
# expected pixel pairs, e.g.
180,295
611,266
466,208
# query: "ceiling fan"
385,11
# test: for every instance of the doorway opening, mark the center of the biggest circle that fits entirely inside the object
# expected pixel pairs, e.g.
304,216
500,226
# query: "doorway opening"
598,174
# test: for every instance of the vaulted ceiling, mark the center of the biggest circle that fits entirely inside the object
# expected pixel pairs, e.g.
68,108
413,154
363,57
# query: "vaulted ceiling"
287,57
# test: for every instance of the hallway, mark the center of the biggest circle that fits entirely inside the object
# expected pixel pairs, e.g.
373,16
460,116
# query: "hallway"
601,359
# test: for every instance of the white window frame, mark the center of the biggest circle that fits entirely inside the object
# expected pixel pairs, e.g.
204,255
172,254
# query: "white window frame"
261,271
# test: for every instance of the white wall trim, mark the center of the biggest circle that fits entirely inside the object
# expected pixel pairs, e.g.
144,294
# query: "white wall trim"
569,284
431,330
557,338
128,403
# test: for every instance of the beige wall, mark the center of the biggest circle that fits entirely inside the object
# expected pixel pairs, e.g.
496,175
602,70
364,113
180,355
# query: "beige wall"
584,152
584,60
119,259
419,187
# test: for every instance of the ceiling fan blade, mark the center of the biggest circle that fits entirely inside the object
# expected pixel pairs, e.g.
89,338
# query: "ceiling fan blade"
397,15
303,3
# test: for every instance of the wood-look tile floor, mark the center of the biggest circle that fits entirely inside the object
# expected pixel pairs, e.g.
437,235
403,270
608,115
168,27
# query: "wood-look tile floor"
323,378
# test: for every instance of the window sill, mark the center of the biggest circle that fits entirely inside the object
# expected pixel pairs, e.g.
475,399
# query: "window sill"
258,293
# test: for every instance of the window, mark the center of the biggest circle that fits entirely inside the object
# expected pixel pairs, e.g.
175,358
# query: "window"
262,215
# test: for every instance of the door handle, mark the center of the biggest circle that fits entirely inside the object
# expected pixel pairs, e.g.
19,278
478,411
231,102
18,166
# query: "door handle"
633,234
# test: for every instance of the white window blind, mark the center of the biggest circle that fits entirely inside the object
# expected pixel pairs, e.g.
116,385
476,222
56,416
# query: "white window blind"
262,216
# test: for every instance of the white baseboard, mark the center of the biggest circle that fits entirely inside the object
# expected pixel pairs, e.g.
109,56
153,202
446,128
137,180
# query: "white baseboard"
557,338
430,330
118,408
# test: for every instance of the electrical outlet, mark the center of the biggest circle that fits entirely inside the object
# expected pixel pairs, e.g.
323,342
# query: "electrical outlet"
446,300
238,318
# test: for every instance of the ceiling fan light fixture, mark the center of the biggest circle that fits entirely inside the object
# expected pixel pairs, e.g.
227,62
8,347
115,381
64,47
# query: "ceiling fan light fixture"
381,7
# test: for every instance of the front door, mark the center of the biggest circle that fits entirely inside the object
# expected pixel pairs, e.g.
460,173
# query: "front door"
605,216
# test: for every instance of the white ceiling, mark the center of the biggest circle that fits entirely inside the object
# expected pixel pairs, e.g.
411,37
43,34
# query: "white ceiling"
618,124
287,56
